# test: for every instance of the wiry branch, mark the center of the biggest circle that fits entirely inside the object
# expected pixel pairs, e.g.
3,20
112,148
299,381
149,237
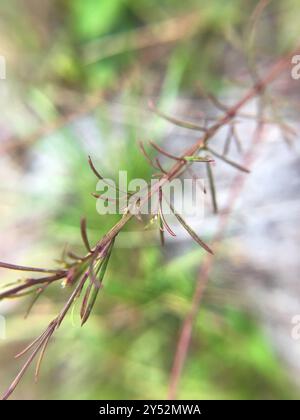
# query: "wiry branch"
88,272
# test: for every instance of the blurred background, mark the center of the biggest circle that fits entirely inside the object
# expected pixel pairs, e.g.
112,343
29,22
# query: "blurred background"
79,75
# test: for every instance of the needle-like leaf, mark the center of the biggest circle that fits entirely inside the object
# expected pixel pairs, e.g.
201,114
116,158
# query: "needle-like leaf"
44,338
85,300
23,268
162,217
212,187
41,356
190,230
163,152
93,168
161,231
30,283
160,167
148,158
84,235
39,292
95,290
99,176
226,160
176,121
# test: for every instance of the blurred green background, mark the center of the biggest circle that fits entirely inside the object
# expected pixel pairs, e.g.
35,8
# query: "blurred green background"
76,57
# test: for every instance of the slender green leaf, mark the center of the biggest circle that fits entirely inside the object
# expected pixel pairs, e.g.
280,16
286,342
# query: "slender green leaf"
95,289
212,187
